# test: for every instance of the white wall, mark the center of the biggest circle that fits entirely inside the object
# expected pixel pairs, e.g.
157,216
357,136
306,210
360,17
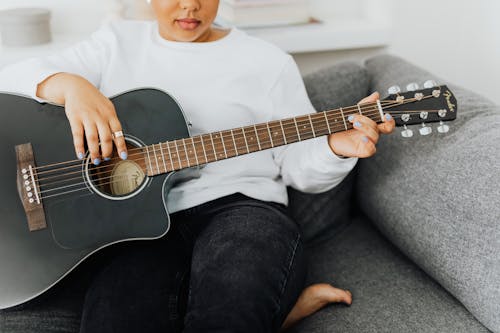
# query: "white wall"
457,40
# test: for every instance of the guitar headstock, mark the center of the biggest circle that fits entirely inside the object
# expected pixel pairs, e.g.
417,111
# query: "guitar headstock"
429,105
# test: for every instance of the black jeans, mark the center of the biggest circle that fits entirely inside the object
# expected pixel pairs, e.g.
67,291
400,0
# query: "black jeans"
234,264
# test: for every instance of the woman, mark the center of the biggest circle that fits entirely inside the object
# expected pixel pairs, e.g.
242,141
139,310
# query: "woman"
233,260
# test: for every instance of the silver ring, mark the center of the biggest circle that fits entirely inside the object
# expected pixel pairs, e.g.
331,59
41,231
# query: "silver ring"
117,134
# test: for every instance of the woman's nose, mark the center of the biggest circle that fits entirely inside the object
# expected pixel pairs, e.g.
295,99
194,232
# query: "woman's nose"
189,4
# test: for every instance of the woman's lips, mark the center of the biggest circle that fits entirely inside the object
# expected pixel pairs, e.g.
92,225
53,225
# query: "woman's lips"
188,24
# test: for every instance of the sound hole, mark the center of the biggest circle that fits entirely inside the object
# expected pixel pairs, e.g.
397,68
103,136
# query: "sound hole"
119,179
126,177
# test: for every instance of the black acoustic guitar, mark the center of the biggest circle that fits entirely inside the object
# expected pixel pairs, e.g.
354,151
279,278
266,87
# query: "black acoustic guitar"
56,211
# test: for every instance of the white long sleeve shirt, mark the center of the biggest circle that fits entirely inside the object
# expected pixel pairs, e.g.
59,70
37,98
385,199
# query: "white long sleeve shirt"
236,81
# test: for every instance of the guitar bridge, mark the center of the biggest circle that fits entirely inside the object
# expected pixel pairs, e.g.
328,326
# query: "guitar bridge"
28,187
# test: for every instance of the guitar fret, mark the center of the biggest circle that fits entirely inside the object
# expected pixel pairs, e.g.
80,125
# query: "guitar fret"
257,136
195,152
297,128
359,109
283,131
327,123
234,142
276,133
379,106
170,156
163,158
204,150
270,135
223,144
245,137
149,159
227,137
343,118
213,147
316,128
178,155
185,150
156,159
312,126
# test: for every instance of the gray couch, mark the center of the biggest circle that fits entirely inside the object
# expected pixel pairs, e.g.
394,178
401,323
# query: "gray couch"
412,231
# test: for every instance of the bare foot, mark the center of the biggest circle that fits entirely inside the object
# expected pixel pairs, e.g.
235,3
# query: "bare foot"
314,298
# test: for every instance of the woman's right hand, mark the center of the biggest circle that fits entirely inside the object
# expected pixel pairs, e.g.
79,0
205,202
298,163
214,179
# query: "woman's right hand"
91,115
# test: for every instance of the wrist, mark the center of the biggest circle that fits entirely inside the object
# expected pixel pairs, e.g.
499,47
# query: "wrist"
71,84
57,87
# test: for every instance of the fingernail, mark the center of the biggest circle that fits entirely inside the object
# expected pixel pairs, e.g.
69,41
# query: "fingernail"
107,159
81,156
365,139
388,116
123,155
357,124
97,161
350,118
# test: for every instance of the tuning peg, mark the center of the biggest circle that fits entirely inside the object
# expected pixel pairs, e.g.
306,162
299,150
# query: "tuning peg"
442,113
430,84
394,90
443,128
406,133
412,86
425,130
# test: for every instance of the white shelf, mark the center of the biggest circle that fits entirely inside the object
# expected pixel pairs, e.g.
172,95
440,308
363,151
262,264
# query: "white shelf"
326,36
10,54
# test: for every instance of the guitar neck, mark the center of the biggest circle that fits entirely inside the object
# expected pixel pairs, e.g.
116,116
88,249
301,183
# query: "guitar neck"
216,146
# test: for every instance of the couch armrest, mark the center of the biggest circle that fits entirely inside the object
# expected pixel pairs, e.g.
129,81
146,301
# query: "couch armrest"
438,197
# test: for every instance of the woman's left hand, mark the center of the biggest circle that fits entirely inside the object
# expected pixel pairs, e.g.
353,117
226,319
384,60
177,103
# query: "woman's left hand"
361,141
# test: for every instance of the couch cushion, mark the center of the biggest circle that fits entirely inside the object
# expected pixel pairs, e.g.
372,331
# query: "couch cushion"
390,293
437,197
320,214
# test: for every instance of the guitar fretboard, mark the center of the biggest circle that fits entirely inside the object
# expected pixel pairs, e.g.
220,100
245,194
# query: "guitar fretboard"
202,149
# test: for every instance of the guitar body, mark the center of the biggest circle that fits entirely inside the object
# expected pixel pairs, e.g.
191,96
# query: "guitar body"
81,222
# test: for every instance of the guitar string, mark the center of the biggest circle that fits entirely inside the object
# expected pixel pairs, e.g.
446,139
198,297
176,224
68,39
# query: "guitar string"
115,178
239,142
240,137
140,148
231,151
237,137
71,191
154,150
333,112
187,157
183,159
120,178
